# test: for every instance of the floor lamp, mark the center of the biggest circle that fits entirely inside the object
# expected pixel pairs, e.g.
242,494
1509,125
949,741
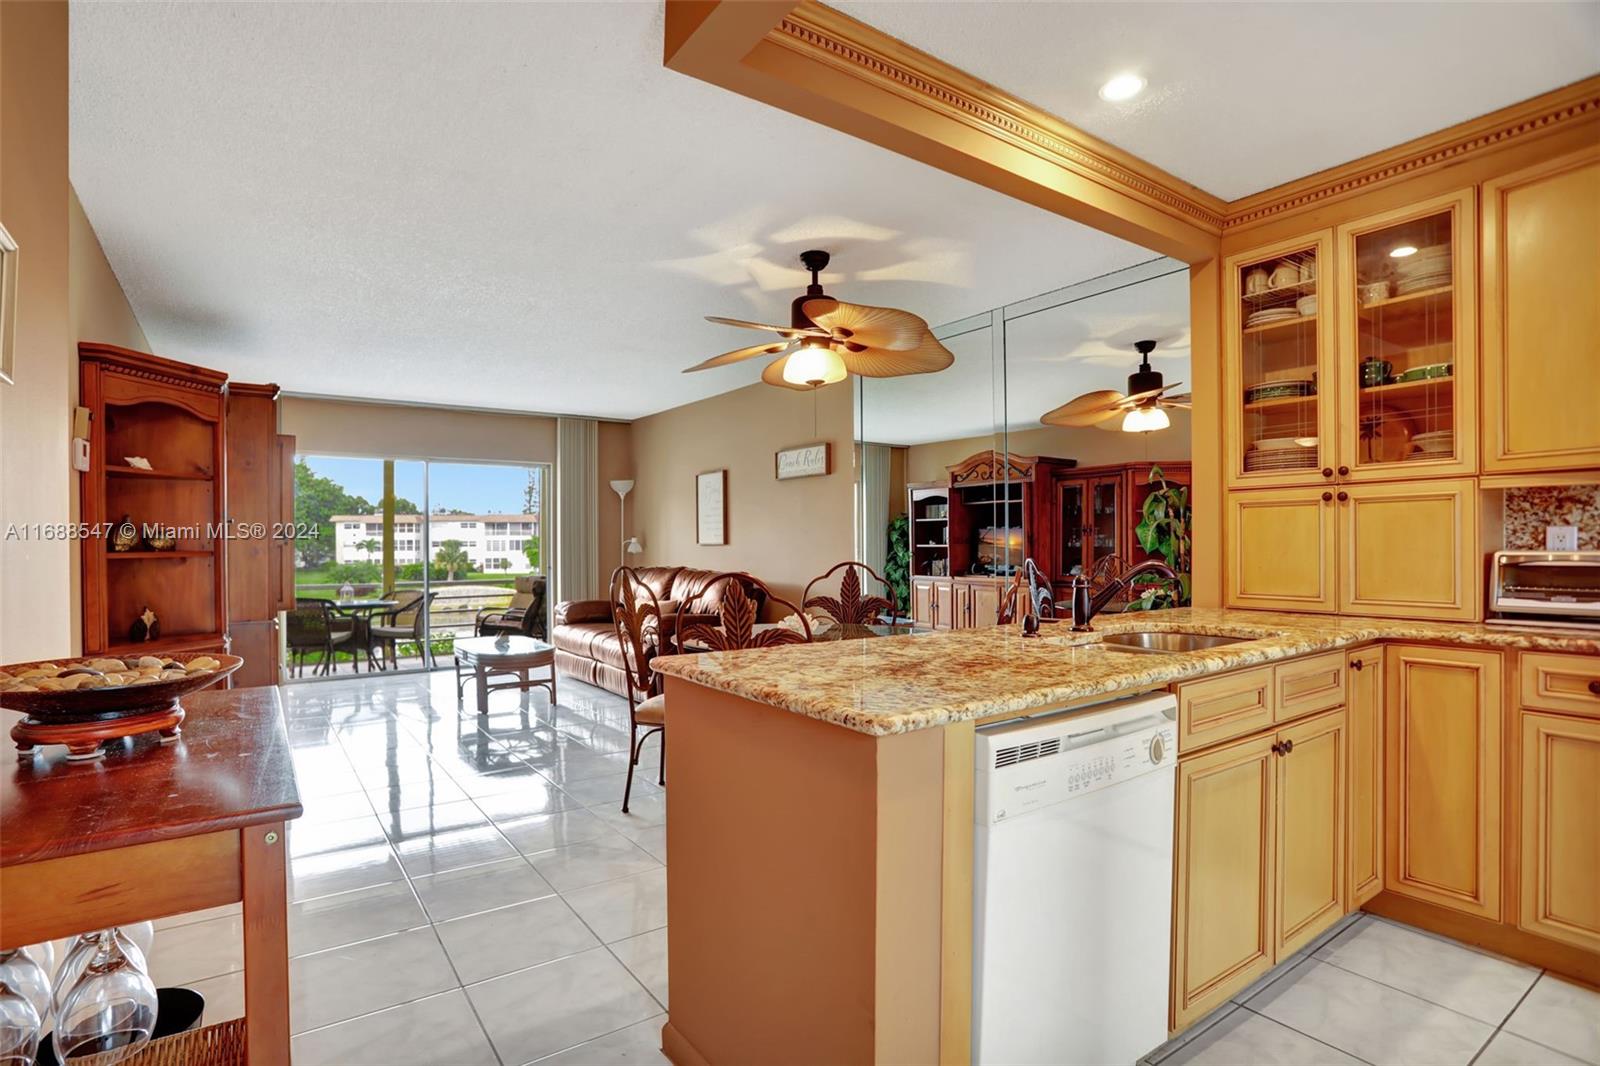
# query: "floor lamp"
622,486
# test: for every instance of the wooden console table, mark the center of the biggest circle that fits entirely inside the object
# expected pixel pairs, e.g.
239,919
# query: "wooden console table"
153,830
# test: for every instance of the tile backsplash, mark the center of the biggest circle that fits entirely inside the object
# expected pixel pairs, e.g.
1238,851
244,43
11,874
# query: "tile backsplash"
1528,511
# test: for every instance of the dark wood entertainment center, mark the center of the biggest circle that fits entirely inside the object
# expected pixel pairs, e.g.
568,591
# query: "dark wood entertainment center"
972,530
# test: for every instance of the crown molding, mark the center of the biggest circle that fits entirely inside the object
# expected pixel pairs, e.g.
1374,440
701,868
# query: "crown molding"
834,39
1542,115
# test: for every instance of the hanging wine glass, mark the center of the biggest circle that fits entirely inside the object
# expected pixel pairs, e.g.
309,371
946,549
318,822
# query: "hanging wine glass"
20,1028
26,977
44,954
143,934
110,1011
81,951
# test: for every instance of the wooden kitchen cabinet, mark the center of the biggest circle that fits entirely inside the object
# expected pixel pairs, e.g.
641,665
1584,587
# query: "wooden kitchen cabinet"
1310,815
983,601
1223,909
1407,380
1560,896
1364,744
1410,549
1540,315
1400,549
1443,712
1281,549
1566,683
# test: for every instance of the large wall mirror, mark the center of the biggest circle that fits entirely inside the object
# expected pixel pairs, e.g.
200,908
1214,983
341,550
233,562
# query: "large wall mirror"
960,481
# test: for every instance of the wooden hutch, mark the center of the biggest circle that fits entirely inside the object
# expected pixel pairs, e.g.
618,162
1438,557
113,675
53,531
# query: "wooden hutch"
192,560
970,532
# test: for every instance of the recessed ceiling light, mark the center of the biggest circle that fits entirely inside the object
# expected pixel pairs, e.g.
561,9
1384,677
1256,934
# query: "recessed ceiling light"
1122,87
1401,251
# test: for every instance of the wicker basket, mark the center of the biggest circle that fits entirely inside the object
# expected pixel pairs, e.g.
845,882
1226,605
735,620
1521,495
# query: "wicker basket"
215,1045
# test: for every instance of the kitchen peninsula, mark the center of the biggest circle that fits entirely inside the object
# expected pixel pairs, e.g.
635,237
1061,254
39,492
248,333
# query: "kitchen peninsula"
821,826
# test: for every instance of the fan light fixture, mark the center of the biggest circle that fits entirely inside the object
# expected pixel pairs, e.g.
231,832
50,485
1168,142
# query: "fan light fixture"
1403,250
1142,409
814,364
1122,87
827,340
1145,419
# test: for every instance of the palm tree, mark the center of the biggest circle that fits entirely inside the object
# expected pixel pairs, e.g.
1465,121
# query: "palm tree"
453,557
369,546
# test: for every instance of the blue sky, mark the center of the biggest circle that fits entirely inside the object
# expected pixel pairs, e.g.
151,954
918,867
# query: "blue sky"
480,489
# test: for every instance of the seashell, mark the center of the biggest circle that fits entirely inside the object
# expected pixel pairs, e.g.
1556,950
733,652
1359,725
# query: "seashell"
39,671
145,679
76,670
54,684
18,686
203,662
106,666
150,660
95,681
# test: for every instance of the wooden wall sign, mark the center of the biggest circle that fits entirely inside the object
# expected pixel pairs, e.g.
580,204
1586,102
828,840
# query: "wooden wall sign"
711,507
803,460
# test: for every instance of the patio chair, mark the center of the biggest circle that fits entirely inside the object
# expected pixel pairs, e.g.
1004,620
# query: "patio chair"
525,617
406,622
311,628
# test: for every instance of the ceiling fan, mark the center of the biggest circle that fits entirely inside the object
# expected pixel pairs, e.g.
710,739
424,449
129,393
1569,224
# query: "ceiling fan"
1144,408
828,339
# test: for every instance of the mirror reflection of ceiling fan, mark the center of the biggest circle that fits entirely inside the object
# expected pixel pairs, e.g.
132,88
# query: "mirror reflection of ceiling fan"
828,339
1142,409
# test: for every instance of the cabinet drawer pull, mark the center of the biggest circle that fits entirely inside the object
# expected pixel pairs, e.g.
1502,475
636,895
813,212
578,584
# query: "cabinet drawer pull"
1288,747
1343,496
1356,664
1343,471
1327,471
1594,687
1326,496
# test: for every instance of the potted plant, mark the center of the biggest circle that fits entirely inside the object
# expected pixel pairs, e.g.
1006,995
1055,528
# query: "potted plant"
1163,529
897,563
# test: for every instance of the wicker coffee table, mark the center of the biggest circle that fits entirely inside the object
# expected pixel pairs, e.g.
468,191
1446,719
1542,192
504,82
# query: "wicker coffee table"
488,657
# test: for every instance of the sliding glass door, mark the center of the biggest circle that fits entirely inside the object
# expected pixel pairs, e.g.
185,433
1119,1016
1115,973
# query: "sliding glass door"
404,557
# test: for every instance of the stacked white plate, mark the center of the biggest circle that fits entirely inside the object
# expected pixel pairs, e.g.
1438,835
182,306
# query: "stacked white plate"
1428,269
1281,453
1271,314
1438,442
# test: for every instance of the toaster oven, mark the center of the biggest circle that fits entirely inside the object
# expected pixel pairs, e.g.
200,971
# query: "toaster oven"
1545,588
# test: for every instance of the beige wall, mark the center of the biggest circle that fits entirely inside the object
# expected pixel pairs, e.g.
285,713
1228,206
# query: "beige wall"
36,602
398,431
1089,446
784,532
99,308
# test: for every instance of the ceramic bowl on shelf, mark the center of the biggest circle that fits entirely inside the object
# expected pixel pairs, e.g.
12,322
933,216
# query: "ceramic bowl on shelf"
1257,281
1373,291
1306,305
1285,274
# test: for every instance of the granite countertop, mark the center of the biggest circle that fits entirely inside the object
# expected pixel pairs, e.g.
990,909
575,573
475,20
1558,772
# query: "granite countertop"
899,684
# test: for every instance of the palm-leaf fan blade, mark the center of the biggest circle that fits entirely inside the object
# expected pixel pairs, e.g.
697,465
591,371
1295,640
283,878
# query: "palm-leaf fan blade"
782,331
1089,409
773,375
875,327
738,355
928,357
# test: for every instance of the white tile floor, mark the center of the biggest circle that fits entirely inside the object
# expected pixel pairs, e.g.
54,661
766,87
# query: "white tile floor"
1379,992
467,890
462,889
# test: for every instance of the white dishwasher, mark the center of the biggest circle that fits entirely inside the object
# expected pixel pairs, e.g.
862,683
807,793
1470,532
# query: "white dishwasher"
1072,900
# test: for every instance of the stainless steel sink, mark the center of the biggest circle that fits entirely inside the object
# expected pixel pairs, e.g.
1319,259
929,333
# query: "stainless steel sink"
1166,642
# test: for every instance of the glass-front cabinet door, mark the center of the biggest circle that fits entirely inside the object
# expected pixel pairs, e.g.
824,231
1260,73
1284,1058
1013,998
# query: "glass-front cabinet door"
1278,345
1407,343
1103,498
1069,498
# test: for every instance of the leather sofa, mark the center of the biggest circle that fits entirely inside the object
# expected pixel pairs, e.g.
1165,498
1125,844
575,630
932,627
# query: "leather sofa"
584,632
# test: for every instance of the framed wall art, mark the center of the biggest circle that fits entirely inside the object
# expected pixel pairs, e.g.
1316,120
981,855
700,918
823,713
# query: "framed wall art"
803,460
711,507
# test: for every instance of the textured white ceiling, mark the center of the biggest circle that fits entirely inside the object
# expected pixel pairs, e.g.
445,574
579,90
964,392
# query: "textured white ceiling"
1049,357
1245,96
504,205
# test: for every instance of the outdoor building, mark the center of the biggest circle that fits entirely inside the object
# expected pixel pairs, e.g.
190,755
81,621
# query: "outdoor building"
491,541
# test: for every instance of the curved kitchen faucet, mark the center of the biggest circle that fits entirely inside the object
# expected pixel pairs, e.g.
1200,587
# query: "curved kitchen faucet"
1086,604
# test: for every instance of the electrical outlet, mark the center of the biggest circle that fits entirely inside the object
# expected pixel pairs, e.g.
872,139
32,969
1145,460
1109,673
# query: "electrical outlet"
1561,538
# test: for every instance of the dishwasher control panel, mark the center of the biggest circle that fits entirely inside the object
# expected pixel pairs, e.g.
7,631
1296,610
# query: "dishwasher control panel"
1023,766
